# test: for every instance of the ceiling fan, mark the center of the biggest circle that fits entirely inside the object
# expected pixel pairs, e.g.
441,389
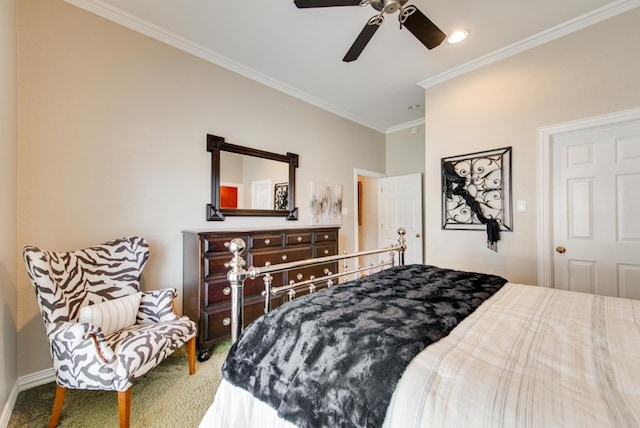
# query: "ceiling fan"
415,21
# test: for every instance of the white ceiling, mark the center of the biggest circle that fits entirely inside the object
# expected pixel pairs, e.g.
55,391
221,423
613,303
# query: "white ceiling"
300,51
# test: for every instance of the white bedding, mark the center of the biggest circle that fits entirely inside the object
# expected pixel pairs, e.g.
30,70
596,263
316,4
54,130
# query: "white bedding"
527,357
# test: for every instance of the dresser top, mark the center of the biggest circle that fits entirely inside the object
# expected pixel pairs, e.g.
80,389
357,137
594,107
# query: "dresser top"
258,230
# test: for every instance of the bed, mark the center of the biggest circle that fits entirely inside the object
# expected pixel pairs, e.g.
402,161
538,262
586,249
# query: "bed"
485,353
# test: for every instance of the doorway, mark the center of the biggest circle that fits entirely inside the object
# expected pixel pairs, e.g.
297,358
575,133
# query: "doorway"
366,215
588,218
383,204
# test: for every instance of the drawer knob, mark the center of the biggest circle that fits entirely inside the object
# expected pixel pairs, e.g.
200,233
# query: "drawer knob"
299,276
326,252
299,238
226,291
326,236
226,321
284,257
267,241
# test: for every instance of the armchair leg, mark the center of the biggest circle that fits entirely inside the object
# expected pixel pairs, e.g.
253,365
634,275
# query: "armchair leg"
191,352
124,407
57,405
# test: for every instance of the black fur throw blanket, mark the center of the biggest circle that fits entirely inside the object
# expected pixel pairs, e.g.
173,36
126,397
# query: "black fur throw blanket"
333,358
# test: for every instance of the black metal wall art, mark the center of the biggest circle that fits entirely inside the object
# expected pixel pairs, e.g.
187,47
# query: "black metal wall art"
476,192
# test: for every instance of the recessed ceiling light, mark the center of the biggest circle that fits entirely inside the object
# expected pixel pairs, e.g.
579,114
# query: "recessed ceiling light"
457,36
413,107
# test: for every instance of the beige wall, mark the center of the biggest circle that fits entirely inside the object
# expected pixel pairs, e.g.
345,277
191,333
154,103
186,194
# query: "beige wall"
405,151
112,142
588,73
8,253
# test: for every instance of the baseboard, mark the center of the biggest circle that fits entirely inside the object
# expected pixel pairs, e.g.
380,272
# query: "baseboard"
23,383
8,407
36,379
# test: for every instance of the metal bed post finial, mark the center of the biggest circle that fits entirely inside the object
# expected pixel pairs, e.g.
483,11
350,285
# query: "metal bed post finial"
403,245
236,277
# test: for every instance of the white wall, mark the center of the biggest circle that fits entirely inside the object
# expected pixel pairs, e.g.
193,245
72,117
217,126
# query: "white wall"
8,221
588,73
112,142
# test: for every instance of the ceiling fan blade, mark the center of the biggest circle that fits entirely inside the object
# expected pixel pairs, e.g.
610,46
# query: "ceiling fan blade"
363,38
325,3
422,27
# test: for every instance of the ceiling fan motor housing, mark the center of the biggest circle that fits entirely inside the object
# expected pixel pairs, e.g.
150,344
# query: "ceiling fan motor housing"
387,6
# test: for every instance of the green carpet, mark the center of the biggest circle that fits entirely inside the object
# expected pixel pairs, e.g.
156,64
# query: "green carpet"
165,397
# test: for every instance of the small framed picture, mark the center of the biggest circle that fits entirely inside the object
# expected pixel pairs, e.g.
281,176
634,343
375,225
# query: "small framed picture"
281,196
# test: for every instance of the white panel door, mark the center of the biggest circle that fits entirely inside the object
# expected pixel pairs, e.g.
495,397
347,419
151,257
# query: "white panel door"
596,199
400,205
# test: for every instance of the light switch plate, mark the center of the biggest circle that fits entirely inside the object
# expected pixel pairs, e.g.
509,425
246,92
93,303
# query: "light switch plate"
522,206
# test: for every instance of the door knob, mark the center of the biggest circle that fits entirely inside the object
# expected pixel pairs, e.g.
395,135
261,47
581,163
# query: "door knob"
418,235
560,249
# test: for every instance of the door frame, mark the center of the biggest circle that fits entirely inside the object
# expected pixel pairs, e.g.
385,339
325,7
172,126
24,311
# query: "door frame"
546,137
364,173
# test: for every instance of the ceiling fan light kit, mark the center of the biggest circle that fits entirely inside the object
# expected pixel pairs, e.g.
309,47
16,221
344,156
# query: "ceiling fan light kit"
410,17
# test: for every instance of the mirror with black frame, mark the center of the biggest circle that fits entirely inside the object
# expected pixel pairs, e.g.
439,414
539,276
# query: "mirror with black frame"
250,182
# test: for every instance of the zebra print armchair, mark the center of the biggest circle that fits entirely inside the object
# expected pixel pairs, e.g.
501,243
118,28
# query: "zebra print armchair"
103,332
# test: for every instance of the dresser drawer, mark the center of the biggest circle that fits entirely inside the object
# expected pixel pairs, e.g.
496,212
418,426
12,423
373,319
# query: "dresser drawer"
219,290
216,244
325,236
297,238
216,291
217,323
282,256
317,271
266,241
325,250
214,265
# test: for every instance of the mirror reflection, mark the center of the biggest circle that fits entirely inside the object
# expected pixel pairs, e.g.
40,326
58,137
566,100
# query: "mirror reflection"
248,182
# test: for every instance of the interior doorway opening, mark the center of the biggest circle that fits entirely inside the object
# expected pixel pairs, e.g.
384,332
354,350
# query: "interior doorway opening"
366,216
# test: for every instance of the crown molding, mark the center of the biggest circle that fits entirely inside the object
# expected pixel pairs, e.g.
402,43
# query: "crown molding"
405,125
134,23
541,38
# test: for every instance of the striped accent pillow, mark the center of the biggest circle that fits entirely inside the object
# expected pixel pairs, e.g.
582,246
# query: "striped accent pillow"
112,315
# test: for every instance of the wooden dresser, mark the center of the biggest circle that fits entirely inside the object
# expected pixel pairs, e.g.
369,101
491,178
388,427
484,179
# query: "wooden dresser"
206,291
